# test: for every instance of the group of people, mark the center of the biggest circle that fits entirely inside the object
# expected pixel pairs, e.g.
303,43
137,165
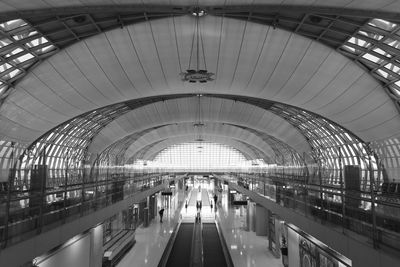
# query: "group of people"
198,207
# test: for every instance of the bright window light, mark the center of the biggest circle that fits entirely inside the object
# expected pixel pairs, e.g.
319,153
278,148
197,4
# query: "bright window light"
386,34
22,44
371,58
382,24
12,24
200,155
205,156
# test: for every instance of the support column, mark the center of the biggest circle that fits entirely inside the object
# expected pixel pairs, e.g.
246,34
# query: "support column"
152,207
96,246
261,221
248,216
146,218
269,214
251,216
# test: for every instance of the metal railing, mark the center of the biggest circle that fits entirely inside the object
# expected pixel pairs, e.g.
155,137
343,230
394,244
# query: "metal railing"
375,216
25,213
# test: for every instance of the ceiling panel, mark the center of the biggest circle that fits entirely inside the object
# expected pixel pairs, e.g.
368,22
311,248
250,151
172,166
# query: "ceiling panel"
92,68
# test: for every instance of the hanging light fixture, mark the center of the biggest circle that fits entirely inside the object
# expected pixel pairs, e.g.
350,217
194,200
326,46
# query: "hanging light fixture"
200,73
198,124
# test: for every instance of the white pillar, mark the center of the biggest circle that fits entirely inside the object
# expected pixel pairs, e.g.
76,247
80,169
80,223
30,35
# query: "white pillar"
261,221
96,246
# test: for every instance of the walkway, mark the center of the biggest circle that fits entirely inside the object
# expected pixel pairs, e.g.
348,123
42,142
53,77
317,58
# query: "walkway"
247,249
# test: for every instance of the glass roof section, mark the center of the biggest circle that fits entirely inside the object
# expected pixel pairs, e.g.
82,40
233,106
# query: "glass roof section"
377,45
200,156
21,46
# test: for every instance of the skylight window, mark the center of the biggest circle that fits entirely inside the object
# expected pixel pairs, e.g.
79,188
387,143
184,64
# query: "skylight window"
359,42
12,24
383,24
371,35
4,42
24,35
392,42
37,42
23,58
14,73
191,156
23,46
14,52
371,58
4,67
380,52
392,67
383,73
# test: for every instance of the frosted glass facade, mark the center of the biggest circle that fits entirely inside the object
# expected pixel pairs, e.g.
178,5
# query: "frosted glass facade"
200,155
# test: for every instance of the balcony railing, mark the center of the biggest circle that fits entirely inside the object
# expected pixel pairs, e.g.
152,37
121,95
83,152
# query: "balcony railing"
374,215
25,213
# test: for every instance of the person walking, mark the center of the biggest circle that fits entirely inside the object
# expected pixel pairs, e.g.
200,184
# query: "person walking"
161,213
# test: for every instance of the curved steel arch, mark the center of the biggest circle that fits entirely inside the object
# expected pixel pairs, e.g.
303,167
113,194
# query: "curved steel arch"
328,141
149,151
331,26
285,154
185,129
119,147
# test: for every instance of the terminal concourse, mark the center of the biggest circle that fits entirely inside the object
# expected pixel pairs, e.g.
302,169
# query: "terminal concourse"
200,133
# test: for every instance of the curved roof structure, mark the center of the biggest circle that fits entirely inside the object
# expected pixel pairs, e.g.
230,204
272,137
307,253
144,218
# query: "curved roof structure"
311,87
110,68
89,76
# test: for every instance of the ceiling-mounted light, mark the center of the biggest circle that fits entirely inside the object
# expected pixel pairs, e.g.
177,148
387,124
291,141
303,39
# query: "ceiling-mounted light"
198,12
198,125
200,74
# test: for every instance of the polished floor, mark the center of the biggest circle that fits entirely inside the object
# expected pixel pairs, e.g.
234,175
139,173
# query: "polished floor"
246,249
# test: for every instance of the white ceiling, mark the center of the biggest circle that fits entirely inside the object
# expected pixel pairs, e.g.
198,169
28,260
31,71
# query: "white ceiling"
249,59
248,151
186,110
187,130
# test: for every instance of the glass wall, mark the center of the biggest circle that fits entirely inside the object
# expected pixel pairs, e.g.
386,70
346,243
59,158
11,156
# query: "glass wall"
200,155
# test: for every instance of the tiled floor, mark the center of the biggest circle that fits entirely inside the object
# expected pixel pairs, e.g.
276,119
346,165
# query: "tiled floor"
151,241
245,247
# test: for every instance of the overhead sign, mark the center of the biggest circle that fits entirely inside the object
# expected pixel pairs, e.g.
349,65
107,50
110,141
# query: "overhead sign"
240,202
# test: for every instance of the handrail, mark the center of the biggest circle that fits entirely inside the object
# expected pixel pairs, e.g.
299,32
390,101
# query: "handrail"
23,222
380,224
167,251
197,252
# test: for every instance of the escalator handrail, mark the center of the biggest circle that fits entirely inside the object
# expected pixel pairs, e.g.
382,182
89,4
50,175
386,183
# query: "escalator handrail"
193,262
164,258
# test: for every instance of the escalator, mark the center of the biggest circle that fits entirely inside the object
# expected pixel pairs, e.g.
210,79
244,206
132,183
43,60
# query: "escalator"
212,246
181,248
197,244
184,248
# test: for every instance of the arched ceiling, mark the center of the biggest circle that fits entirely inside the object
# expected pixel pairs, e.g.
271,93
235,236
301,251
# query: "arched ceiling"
267,50
150,151
145,59
187,129
162,136
206,108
